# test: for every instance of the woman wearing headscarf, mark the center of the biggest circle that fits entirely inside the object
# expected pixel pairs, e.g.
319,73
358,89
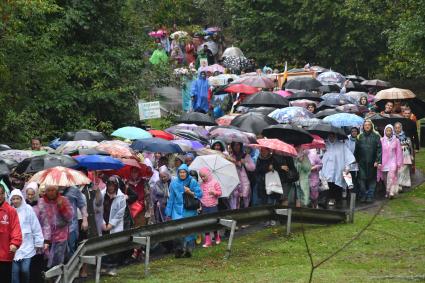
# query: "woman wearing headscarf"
408,156
218,145
31,194
211,191
184,184
302,188
32,238
392,160
336,159
160,193
244,163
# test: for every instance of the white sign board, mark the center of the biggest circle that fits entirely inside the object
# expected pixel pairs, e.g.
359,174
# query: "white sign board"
149,110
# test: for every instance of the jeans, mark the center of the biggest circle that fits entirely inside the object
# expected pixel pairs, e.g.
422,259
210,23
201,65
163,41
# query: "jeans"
72,243
21,270
367,187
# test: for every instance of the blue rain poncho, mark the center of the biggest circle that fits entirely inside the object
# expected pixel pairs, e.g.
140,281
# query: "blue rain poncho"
200,95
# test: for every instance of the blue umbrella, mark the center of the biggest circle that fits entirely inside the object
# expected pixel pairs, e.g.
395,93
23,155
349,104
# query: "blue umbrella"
156,145
288,114
99,162
344,120
131,133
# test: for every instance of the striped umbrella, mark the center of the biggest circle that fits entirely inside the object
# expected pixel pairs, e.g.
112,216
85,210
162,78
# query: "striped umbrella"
60,176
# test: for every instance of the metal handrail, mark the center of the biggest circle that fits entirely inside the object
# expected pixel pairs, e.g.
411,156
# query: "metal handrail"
90,251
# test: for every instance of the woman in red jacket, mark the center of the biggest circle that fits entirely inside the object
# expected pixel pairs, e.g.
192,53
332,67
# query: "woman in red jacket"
10,236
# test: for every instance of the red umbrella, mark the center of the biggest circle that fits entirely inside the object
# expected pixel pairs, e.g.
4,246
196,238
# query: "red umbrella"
225,120
241,88
125,172
256,81
317,143
161,134
277,146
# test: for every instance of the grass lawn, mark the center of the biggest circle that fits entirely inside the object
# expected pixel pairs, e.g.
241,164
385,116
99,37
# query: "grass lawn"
391,250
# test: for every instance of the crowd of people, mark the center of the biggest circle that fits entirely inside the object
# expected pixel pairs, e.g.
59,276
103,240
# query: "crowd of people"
41,225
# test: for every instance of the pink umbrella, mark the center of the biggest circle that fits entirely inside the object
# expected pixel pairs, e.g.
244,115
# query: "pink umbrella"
213,68
283,93
225,120
302,102
256,81
60,176
277,146
317,143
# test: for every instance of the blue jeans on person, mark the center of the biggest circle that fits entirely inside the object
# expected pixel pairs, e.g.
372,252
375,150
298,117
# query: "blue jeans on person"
21,270
72,243
367,187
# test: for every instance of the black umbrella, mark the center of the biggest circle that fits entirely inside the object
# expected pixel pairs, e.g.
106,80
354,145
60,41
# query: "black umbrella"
355,86
197,118
376,83
262,110
253,122
87,135
380,121
355,78
42,162
4,168
191,135
323,131
326,112
325,105
303,83
10,162
4,147
416,105
305,95
265,98
329,88
288,133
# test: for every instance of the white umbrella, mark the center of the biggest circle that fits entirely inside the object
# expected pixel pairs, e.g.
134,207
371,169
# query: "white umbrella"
71,146
233,51
223,171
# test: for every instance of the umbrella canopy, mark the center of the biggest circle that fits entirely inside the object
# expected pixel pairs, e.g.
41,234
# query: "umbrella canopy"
356,94
229,135
191,135
380,121
284,93
233,52
303,122
265,98
235,63
304,103
331,78
197,118
191,127
317,143
19,155
179,34
130,163
131,133
4,147
325,105
355,78
222,79
376,83
288,114
256,81
156,145
325,113
241,88
158,34
253,122
12,164
60,176
288,133
115,148
338,99
355,86
188,145
161,134
418,107
344,120
87,135
323,131
351,108
276,146
226,120
99,162
305,95
222,170
71,147
394,94
212,68
4,168
43,162
329,88
318,69
303,83
262,110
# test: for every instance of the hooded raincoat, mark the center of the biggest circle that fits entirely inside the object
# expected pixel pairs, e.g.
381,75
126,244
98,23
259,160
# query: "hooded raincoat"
199,94
32,236
367,151
211,189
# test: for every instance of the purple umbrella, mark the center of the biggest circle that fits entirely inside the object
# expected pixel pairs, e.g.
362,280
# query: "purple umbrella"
286,115
331,78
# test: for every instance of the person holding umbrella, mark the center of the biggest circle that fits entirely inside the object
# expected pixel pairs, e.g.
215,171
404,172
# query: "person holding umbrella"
368,153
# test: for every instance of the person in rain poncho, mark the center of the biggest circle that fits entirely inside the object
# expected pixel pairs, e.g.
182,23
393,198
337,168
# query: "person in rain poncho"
160,193
392,160
183,184
408,156
302,187
336,159
158,56
368,153
211,191
32,238
354,167
200,94
314,179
